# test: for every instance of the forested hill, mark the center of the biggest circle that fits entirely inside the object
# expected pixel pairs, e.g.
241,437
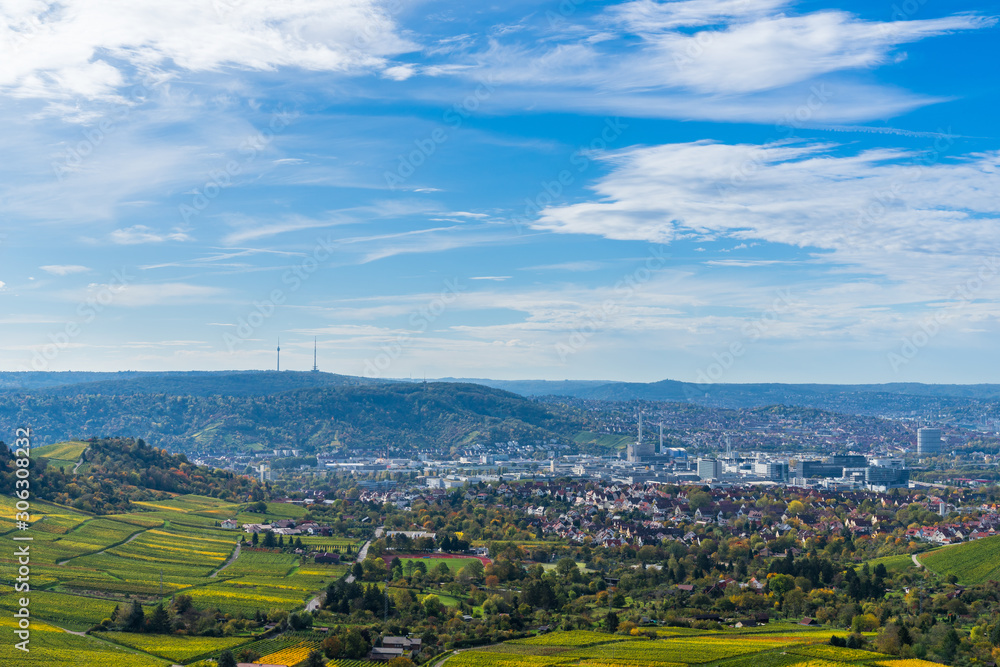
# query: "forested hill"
366,417
119,471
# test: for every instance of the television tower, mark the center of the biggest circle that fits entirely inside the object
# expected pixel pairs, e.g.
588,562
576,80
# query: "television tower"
315,366
279,354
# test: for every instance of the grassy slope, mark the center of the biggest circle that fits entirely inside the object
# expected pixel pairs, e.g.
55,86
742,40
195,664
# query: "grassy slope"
972,562
62,450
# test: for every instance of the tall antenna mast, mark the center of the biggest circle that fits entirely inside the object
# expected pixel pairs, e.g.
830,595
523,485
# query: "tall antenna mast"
279,353
640,425
315,366
661,437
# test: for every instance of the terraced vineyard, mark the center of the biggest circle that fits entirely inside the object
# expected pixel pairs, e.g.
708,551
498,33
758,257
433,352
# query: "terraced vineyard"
777,646
51,647
178,649
86,565
349,663
973,562
63,454
292,655
72,612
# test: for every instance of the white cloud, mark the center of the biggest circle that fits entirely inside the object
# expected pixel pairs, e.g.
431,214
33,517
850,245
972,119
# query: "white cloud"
896,213
89,49
714,59
138,234
756,50
399,72
292,223
133,295
64,269
586,265
30,319
646,16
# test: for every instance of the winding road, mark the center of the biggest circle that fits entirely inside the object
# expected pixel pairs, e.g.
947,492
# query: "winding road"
361,556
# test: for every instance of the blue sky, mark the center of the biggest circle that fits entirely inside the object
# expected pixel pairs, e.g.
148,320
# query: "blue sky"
704,190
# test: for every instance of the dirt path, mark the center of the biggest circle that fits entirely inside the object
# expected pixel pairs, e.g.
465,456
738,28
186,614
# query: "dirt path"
916,561
232,559
78,634
63,562
80,462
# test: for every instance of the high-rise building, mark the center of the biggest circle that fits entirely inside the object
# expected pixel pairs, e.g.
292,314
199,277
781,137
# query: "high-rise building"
709,468
928,441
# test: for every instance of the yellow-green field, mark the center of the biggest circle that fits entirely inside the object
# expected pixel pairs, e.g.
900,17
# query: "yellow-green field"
775,646
51,647
973,562
179,649
87,564
67,451
62,454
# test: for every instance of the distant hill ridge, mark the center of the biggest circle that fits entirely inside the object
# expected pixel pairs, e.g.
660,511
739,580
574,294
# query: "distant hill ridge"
380,416
255,382
968,404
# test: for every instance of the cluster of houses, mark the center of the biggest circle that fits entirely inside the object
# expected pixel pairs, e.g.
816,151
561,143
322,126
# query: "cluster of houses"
959,531
395,647
280,527
669,516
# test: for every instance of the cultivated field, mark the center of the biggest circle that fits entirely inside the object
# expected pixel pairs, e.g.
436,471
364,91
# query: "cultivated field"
61,455
972,562
776,646
83,566
52,647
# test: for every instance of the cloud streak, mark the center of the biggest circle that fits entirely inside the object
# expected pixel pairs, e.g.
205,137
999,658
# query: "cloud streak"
903,215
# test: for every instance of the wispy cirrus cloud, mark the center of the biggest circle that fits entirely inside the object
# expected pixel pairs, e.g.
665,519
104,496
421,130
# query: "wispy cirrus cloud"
64,269
135,295
899,214
711,59
140,234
